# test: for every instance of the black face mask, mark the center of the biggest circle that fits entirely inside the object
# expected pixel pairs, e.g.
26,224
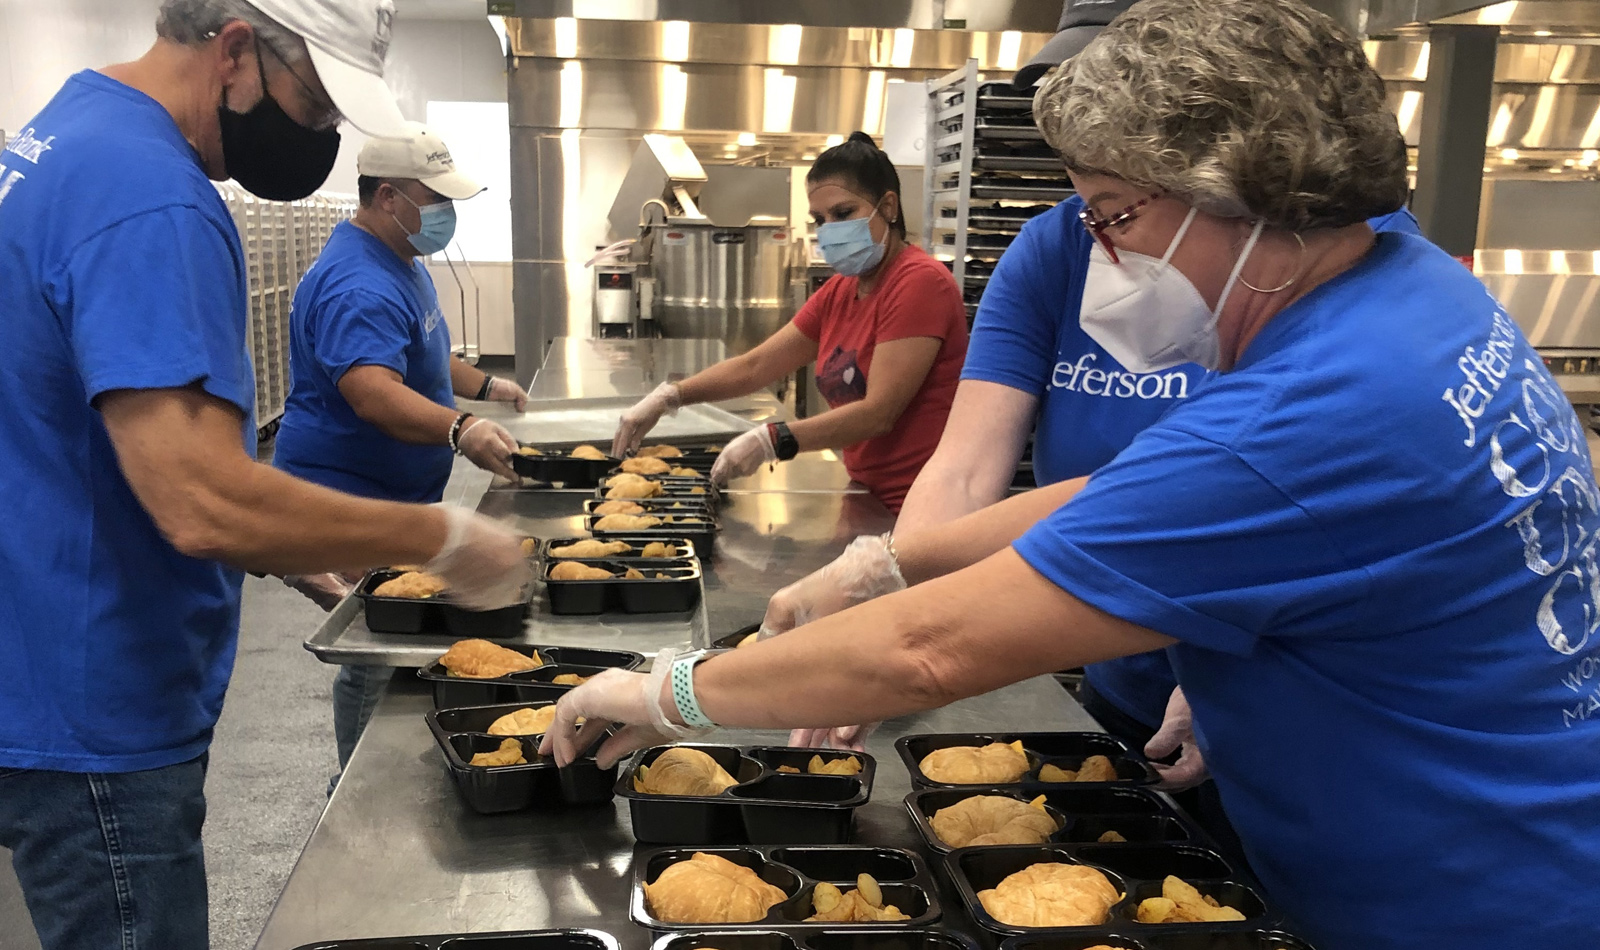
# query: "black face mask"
271,155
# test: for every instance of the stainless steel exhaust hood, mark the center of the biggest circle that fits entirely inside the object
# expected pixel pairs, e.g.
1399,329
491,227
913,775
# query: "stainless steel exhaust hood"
1039,16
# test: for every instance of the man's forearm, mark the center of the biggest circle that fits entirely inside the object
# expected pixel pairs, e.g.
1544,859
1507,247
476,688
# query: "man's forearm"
945,548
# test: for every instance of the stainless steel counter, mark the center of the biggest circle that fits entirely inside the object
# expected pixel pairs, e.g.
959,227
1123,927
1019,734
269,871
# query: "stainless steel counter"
398,853
603,369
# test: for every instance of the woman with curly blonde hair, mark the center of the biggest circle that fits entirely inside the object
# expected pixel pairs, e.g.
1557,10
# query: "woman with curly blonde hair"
1368,542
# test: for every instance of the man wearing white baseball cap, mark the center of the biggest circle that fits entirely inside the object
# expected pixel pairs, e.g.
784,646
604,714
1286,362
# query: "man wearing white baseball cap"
127,449
372,405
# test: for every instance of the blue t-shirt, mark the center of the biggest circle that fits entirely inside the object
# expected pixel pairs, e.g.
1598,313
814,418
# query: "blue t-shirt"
121,269
361,305
1027,336
1375,540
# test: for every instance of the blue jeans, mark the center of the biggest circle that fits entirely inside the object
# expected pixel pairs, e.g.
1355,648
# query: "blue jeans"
356,691
110,861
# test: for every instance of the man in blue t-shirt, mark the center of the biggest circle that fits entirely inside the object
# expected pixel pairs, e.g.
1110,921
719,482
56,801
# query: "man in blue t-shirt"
127,441
372,408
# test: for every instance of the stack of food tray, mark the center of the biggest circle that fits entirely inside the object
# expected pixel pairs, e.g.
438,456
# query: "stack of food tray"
419,603
627,573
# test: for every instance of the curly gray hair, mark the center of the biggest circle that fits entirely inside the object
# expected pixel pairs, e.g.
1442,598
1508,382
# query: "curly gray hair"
192,22
1243,108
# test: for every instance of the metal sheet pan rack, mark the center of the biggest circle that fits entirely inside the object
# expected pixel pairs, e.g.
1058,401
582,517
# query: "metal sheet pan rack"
988,171
281,240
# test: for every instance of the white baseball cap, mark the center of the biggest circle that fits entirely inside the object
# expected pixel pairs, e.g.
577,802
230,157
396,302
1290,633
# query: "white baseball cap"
348,40
421,155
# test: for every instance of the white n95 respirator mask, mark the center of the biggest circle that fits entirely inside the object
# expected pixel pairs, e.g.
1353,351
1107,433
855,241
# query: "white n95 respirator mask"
1146,314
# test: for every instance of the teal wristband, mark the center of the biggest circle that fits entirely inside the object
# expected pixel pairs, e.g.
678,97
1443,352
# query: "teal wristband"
683,693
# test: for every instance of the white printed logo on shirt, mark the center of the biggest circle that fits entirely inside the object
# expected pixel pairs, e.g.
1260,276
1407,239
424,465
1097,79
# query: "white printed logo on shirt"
1083,376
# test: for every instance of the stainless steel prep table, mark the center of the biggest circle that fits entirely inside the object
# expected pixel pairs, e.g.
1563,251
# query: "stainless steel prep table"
397,852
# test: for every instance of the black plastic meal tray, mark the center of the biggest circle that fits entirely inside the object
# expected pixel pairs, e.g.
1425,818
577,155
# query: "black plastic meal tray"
683,548
673,489
660,506
847,937
491,789
766,807
527,686
1135,870
509,940
731,641
436,615
563,470
702,533
675,593
796,869
1188,940
1065,750
1082,812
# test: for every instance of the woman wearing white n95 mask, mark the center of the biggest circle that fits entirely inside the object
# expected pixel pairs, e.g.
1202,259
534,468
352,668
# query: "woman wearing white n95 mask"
888,335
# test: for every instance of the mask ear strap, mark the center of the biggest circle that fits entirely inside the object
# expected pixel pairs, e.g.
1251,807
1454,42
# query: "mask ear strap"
1178,238
1238,269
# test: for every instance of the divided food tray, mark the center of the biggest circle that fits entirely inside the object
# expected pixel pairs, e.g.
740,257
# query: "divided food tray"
436,614
673,489
848,937
701,532
564,470
675,593
796,870
1236,940
1065,750
683,547
510,940
696,506
766,807
1135,870
492,789
528,686
1082,812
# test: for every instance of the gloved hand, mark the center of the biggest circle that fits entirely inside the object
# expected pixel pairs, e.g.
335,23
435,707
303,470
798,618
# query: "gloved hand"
481,560
616,697
505,390
324,590
864,571
744,455
488,445
1177,731
637,422
853,738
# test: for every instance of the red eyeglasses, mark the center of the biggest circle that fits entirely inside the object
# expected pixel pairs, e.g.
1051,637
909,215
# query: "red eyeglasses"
1097,226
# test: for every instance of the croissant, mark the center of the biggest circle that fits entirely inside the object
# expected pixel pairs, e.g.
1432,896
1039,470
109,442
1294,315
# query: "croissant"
681,771
618,508
626,523
530,547
659,452
414,585
658,549
524,722
707,889
994,764
480,659
529,451
573,571
993,819
643,488
682,472
646,466
589,547
1096,768
509,753
587,452
1051,895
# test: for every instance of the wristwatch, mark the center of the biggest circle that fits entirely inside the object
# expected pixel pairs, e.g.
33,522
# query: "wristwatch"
783,441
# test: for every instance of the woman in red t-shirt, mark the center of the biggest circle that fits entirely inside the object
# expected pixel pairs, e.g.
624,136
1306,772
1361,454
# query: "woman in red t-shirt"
888,334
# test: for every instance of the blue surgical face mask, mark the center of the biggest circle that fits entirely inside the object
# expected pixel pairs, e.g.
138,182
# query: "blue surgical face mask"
848,246
438,226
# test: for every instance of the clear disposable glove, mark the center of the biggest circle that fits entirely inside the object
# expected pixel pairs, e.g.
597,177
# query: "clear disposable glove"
853,738
744,455
637,422
866,570
505,390
1177,732
481,560
324,590
610,698
489,446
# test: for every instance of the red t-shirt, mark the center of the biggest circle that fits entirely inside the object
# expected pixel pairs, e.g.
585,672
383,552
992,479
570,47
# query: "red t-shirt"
916,296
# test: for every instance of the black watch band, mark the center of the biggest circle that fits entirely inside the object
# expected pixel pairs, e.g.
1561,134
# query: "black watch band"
784,442
483,391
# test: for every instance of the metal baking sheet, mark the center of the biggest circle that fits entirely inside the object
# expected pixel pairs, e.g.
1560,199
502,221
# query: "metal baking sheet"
574,422
345,638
